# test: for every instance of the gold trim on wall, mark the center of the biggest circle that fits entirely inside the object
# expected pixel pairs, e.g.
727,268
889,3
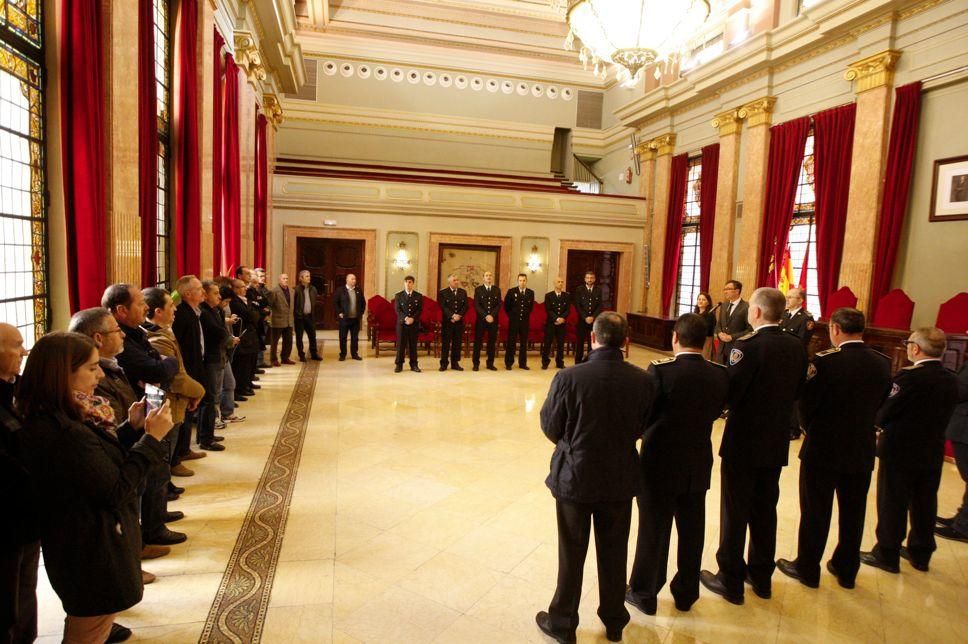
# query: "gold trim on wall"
368,235
664,143
623,290
729,122
758,112
873,71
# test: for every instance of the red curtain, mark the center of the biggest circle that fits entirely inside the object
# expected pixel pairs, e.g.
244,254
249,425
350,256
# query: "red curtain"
708,183
187,164
897,186
833,143
217,125
147,143
677,208
231,181
786,157
82,146
261,217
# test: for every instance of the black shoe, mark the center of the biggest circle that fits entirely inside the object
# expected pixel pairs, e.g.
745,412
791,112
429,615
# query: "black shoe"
173,497
544,623
318,358
119,633
342,358
357,357
457,367
476,367
491,367
255,378
443,367
948,532
647,606
844,583
166,538
683,606
714,584
248,393
175,489
945,521
302,358
415,369
789,568
525,367
254,386
762,593
212,447
917,565
544,365
614,634
560,366
260,371
398,368
871,559
218,439
174,515
508,367
239,398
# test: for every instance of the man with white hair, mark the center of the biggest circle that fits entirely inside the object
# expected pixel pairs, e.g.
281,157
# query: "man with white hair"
453,303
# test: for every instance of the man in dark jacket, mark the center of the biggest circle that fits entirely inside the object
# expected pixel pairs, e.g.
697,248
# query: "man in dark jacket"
408,305
677,461
845,387
588,301
594,413
557,305
911,448
304,316
257,294
20,540
732,322
518,304
246,329
453,305
487,305
766,371
350,307
798,322
956,527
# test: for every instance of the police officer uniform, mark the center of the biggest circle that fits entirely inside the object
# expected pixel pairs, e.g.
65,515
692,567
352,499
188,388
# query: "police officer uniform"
588,301
801,324
676,459
518,304
453,301
487,301
408,306
557,305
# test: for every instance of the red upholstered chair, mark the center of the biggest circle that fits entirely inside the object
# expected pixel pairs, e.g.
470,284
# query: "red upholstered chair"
536,324
502,327
840,298
953,314
571,330
382,324
470,318
894,311
430,321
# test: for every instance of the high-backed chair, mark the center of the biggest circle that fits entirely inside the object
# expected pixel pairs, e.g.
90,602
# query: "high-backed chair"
953,314
381,324
430,318
894,311
536,324
842,297
571,330
470,319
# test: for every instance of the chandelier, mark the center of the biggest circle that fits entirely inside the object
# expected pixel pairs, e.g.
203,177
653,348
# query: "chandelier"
630,34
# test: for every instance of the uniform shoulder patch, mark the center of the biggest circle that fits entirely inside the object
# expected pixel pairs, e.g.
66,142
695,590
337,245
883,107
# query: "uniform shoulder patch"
895,390
735,356
811,371
663,361
828,352
747,336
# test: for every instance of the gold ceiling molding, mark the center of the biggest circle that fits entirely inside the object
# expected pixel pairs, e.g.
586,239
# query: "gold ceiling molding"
758,112
873,71
919,8
462,23
729,122
248,57
645,151
664,143
272,109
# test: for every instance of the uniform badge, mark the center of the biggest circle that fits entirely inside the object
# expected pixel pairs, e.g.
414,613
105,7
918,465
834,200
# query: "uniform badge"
895,390
735,356
811,371
810,325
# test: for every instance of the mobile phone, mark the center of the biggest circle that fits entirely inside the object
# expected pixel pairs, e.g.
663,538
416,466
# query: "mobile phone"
154,397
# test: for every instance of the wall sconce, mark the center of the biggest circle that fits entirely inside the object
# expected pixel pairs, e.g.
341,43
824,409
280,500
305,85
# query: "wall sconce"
402,259
534,261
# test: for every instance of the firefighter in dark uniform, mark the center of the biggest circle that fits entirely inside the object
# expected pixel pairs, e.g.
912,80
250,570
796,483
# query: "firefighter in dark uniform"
453,304
588,301
518,304
797,321
408,304
845,387
767,368
557,305
911,448
487,304
677,459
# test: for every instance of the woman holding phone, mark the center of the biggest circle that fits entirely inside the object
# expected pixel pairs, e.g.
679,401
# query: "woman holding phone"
87,485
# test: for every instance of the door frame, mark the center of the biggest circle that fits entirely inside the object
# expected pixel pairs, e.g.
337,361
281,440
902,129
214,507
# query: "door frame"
623,290
368,236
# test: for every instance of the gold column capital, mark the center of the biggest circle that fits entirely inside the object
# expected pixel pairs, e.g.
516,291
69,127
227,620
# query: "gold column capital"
758,112
728,122
248,57
664,143
272,109
645,151
873,71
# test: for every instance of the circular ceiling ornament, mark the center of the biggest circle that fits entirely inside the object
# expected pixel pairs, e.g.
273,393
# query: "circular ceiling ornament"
492,85
413,77
380,73
429,78
396,74
445,80
522,89
537,90
363,71
507,87
330,68
346,70
460,82
477,84
567,93
551,92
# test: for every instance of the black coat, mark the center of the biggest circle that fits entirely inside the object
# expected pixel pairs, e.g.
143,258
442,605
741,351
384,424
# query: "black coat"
709,317
299,302
487,302
557,306
187,328
767,369
844,389
87,488
957,430
142,364
117,389
677,453
247,328
216,333
518,306
914,417
342,302
15,485
588,303
452,304
800,324
735,325
408,306
594,413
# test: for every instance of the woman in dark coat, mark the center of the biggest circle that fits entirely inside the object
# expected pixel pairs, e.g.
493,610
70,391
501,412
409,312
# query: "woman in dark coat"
87,485
705,308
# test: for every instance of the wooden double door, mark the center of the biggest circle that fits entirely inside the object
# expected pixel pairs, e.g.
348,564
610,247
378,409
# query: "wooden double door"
605,266
328,261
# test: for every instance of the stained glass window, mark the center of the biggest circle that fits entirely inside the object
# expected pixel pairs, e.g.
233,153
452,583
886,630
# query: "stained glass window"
803,230
163,184
688,279
23,208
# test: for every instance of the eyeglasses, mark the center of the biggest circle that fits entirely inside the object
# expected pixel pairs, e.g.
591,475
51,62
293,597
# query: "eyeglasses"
117,330
904,343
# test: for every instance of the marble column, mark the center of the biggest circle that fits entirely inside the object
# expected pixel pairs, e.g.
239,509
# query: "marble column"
758,115
664,146
647,191
874,78
730,126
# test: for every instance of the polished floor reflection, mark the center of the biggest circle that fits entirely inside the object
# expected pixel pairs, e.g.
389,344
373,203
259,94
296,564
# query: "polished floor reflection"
420,515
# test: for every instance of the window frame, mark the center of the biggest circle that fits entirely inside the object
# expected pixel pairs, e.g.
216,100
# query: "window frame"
690,225
163,130
805,214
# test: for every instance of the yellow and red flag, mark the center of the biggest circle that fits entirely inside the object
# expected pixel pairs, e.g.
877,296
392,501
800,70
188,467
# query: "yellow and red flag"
785,278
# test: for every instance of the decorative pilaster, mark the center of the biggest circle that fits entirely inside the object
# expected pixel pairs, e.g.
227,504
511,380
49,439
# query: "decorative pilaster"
664,146
730,125
248,58
874,71
647,191
272,109
759,117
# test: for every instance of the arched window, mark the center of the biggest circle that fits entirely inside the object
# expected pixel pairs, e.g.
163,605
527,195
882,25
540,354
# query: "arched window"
688,279
163,23
802,243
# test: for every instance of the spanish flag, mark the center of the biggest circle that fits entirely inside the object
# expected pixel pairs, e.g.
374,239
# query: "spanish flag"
785,278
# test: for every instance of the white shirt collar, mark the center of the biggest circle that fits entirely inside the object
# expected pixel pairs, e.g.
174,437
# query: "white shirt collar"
927,360
689,353
763,326
850,342
795,311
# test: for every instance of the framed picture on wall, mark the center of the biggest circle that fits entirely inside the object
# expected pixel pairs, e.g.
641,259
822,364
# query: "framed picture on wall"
949,192
468,263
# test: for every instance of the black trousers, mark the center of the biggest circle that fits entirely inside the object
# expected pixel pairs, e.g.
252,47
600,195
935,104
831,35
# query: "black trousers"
243,368
286,334
154,500
517,334
657,508
817,488
961,460
584,338
18,588
749,497
183,443
207,410
351,327
901,490
612,522
307,325
407,342
452,342
480,329
553,333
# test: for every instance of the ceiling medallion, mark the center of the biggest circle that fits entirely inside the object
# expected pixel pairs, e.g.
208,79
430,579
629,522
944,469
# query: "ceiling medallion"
630,34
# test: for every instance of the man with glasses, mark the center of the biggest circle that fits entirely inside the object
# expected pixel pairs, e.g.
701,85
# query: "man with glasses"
731,323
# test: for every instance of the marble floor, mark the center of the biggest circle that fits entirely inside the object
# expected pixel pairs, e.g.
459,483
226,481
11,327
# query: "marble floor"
419,514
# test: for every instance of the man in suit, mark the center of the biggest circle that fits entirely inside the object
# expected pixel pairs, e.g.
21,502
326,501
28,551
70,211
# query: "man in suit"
453,304
732,322
408,304
767,368
281,321
798,322
350,306
593,414
518,304
304,316
911,448
557,306
956,527
845,387
677,461
257,294
588,301
487,304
